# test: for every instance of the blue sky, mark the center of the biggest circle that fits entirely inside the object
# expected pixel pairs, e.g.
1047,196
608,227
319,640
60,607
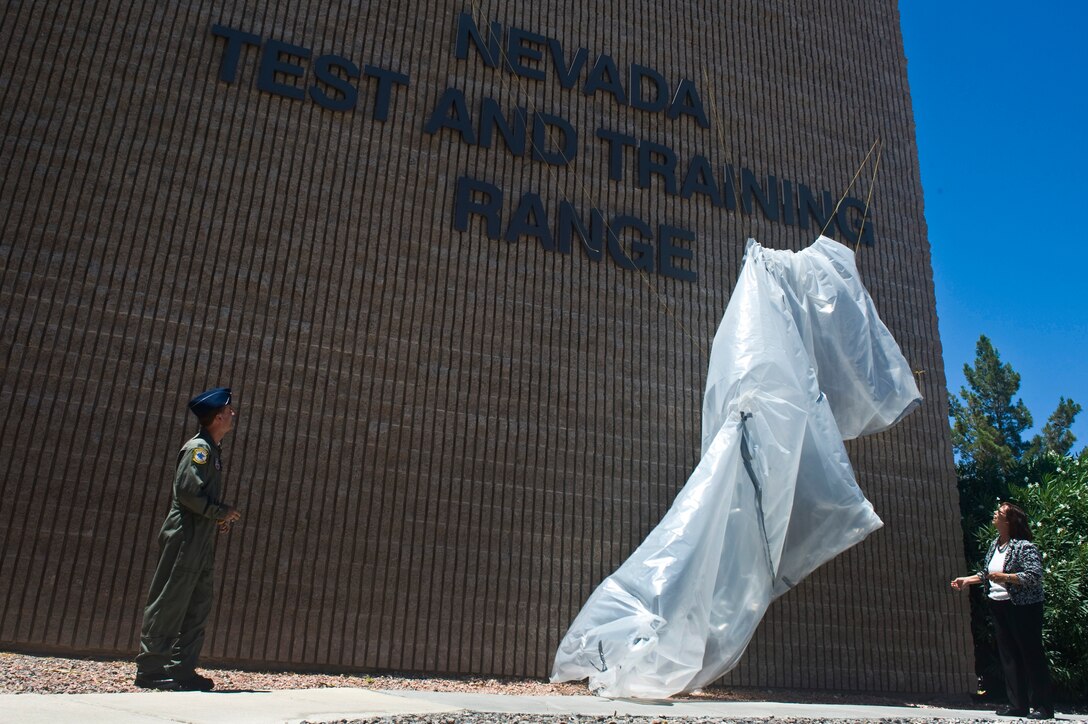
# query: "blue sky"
999,92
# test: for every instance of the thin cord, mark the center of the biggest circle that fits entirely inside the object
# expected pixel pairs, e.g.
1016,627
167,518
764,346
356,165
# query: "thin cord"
868,197
850,186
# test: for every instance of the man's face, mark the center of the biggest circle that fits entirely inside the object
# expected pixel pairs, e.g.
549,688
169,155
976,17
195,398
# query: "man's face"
225,418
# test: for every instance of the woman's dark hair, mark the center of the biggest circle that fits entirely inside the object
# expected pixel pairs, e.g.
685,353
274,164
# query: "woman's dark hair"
1018,522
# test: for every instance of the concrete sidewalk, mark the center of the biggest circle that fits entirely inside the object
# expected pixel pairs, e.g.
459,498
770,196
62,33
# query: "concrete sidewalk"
332,704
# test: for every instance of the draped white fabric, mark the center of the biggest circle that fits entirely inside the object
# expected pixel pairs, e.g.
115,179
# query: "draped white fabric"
800,362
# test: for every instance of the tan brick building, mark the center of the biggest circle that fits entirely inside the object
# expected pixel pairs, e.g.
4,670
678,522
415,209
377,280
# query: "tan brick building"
463,401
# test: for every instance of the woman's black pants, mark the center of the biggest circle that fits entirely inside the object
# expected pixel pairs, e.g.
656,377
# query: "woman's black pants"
1019,633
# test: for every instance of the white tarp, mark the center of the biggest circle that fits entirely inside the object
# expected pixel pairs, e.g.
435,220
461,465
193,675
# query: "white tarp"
800,362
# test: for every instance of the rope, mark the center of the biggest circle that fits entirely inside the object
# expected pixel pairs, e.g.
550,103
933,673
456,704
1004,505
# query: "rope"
850,187
868,197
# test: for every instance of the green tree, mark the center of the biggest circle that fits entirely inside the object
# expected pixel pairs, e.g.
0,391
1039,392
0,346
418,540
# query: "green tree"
986,423
993,461
1056,438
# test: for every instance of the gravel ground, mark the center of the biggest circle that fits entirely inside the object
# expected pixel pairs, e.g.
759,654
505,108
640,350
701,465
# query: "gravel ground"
26,674
485,718
474,718
23,673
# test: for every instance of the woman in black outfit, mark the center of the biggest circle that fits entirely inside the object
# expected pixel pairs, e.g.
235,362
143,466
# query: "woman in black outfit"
1013,581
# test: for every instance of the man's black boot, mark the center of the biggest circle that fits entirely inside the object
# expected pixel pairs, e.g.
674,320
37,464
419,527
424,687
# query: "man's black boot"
1011,711
160,681
196,682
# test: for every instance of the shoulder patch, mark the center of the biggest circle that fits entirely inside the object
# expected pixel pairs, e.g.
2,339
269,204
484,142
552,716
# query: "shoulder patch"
200,455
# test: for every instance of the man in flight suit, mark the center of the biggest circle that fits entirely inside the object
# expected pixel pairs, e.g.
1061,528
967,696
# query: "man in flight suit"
181,589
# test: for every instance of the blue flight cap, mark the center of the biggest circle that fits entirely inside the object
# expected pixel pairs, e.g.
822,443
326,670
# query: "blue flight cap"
210,401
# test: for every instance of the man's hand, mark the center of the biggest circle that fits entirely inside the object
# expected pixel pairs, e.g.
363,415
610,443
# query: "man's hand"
229,519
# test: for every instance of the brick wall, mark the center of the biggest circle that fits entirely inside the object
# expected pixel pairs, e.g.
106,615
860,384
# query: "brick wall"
445,440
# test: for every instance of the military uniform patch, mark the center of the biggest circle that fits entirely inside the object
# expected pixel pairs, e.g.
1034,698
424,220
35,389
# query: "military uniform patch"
200,455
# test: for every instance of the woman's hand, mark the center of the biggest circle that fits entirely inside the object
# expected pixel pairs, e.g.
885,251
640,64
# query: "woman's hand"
958,584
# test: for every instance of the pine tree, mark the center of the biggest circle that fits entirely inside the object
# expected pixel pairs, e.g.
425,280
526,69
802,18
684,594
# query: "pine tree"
987,425
1056,437
987,428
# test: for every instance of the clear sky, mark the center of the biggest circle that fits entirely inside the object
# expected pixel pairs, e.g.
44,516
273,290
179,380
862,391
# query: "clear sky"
999,92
